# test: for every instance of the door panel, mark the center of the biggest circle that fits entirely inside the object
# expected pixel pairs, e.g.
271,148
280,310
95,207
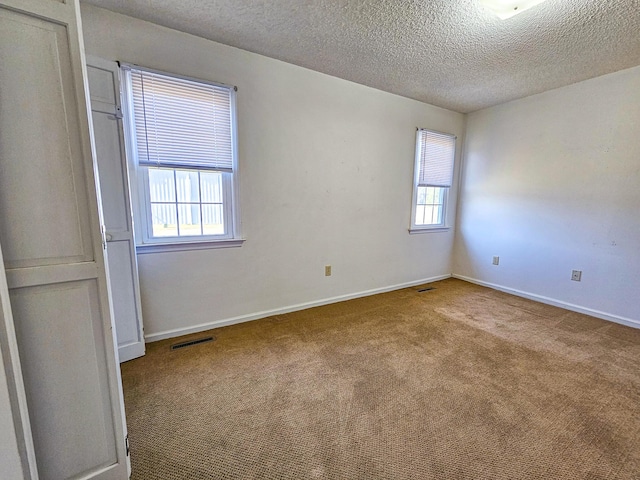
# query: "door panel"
44,109
53,256
125,303
107,141
51,367
116,204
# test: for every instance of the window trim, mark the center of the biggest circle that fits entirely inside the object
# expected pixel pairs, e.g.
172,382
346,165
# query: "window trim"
145,242
440,227
183,246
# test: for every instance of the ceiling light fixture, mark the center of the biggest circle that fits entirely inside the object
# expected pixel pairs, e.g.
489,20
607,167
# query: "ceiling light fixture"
508,8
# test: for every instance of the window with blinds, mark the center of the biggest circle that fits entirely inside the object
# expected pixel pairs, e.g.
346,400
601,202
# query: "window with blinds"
182,141
435,154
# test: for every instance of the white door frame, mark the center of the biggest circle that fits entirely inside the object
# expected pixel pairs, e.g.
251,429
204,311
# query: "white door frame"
20,432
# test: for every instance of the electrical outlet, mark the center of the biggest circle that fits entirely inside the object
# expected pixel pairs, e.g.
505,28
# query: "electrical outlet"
496,260
576,275
327,270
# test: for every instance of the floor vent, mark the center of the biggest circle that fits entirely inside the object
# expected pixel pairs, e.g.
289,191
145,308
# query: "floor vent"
428,289
177,346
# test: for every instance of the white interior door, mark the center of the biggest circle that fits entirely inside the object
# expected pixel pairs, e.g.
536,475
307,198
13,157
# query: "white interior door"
53,253
116,206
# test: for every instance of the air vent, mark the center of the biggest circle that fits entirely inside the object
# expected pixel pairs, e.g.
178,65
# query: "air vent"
428,289
197,341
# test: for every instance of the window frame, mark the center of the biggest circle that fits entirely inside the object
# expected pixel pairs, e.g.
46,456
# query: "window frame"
443,226
141,204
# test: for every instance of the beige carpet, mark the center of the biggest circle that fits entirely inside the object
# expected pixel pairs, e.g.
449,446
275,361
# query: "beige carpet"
460,382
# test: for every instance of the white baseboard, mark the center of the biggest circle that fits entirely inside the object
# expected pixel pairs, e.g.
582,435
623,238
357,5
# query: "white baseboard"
154,337
556,303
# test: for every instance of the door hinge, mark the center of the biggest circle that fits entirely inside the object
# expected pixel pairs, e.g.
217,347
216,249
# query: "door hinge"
103,234
126,444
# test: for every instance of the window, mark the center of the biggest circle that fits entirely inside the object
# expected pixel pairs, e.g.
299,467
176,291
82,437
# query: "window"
181,144
435,154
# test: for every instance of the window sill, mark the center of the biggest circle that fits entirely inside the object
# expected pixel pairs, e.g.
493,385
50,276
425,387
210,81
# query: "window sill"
182,246
440,228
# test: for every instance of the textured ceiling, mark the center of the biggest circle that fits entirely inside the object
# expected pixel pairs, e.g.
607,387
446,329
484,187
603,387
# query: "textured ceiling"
452,53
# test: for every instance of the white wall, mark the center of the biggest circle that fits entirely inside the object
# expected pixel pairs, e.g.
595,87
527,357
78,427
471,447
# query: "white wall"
551,183
326,168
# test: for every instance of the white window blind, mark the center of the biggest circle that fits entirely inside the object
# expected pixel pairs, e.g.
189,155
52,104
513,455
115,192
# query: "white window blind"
181,123
436,154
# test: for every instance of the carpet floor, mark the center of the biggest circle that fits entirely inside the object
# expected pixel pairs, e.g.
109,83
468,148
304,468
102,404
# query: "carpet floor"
458,382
